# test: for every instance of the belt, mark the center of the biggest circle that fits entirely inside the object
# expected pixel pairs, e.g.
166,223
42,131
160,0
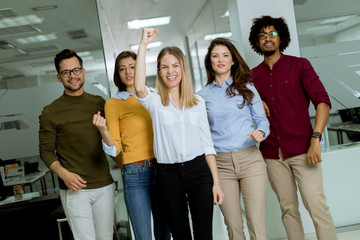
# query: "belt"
147,162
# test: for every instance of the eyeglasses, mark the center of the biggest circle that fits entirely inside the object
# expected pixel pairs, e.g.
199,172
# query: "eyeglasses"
271,34
75,71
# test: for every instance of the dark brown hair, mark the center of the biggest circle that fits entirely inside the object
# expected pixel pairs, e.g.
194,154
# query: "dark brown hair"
240,71
65,54
125,54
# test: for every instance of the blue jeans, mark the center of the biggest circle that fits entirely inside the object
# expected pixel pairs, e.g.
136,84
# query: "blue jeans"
141,199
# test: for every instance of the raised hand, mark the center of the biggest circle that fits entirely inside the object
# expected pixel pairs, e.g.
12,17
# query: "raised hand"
148,34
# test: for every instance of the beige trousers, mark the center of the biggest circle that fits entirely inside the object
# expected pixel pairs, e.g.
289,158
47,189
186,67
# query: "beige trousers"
284,174
243,172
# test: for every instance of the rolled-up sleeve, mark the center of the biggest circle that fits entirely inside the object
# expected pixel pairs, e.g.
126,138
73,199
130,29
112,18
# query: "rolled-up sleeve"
312,85
110,150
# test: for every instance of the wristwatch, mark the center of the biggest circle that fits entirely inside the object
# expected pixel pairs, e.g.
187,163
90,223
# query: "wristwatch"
316,135
263,133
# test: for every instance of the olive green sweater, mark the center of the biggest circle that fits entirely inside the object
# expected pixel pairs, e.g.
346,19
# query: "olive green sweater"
67,135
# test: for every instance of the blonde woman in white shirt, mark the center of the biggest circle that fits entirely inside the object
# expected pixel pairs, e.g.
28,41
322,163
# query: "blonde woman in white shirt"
186,168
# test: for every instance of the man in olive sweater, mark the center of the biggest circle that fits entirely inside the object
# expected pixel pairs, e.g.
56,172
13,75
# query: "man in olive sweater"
70,145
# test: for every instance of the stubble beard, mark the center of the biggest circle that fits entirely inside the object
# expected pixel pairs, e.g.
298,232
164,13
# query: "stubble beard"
74,89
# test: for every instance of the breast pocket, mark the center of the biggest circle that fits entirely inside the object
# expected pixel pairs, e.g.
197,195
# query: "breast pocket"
287,88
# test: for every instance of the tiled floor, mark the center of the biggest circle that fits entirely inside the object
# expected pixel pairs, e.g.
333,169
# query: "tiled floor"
219,228
345,233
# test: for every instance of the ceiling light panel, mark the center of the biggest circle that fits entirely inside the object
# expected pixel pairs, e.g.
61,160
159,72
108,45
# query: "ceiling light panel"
150,22
38,38
135,47
20,21
210,37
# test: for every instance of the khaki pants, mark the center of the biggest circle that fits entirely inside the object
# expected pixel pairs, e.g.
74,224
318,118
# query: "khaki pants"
243,172
284,174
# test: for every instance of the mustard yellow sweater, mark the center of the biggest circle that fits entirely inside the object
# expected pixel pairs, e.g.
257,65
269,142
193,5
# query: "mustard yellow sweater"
130,127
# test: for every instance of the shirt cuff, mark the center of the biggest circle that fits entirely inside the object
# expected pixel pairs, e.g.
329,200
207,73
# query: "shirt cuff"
110,150
209,151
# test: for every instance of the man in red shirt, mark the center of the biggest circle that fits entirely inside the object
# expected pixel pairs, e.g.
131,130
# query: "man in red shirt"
292,151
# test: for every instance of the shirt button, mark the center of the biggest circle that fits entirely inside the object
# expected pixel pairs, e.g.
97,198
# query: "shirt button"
274,111
278,137
273,99
271,73
270,85
286,81
276,124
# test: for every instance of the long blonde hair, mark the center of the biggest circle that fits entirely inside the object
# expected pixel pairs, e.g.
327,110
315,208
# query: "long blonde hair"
187,97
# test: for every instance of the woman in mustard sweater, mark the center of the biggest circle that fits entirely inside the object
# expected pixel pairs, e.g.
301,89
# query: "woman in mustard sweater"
127,131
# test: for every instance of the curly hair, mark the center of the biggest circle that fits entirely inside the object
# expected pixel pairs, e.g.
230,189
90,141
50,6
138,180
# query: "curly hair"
125,54
240,71
266,21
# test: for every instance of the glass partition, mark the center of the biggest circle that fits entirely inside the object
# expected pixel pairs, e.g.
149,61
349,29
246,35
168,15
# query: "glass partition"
331,44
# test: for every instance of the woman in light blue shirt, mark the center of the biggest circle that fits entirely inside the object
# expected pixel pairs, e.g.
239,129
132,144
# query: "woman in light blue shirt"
237,123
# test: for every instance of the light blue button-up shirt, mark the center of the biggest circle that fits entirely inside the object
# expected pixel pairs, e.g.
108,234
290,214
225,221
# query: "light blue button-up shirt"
229,124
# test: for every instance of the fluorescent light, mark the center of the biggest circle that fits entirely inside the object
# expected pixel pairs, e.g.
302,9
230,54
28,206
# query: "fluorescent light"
83,54
150,22
355,65
349,53
216,35
135,47
317,28
226,14
21,51
87,58
38,38
335,19
20,21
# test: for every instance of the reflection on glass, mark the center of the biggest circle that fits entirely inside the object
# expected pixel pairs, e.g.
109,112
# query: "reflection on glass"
31,35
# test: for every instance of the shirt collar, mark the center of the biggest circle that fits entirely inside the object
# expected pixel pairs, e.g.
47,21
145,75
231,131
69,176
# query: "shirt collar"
122,95
227,82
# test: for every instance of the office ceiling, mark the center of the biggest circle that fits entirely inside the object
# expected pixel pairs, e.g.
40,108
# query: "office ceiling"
74,23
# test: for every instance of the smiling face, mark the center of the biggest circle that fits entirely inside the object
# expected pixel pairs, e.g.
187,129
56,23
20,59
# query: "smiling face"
269,45
170,71
221,60
126,71
73,84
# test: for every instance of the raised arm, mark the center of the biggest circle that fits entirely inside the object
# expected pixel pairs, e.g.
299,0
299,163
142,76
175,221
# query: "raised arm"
148,35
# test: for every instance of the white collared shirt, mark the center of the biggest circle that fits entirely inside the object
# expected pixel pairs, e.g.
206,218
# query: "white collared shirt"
180,135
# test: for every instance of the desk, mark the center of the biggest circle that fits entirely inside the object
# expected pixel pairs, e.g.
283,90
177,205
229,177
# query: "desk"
26,197
29,179
347,127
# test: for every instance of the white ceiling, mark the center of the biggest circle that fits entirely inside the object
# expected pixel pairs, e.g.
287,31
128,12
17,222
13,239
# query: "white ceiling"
192,18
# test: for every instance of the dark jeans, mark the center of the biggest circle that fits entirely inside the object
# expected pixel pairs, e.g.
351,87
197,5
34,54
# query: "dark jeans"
141,198
182,185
